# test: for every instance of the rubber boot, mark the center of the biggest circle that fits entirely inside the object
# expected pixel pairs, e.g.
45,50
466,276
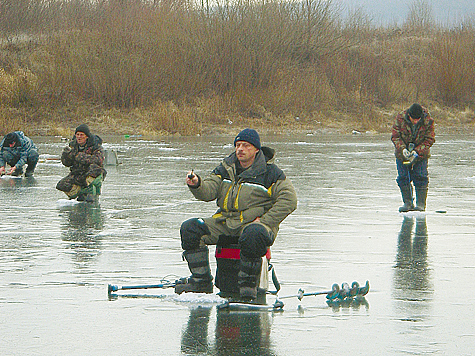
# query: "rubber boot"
406,192
91,192
81,197
92,196
201,279
248,277
421,198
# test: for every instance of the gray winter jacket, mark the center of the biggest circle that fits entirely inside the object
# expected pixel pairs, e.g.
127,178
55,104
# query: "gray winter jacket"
24,146
261,191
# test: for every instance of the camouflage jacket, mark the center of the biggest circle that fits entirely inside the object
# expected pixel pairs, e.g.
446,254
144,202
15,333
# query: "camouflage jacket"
87,160
421,135
261,191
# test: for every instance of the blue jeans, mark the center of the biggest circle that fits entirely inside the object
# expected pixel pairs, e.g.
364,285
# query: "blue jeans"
415,173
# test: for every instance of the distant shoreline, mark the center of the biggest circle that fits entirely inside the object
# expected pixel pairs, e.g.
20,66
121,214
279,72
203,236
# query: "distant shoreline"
231,130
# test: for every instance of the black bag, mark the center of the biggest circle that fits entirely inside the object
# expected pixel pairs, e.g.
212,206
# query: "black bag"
228,255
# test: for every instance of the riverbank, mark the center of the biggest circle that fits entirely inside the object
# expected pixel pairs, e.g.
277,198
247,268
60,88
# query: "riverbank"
275,66
186,122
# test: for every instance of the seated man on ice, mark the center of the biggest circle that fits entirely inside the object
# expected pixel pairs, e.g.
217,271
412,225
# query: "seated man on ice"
254,196
85,158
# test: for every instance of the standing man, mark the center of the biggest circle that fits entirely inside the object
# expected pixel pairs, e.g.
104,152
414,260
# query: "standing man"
254,196
412,136
18,150
85,157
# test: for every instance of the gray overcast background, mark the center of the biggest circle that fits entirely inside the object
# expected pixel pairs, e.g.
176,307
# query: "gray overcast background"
395,11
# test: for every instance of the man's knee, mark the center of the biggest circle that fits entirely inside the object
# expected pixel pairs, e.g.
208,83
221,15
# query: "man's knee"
65,184
420,176
254,241
10,158
33,157
191,232
403,180
421,182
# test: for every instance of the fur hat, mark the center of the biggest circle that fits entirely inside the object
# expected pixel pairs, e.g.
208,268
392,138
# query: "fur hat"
84,129
415,111
249,135
10,138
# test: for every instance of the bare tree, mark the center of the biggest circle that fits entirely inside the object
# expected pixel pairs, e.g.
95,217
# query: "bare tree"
420,17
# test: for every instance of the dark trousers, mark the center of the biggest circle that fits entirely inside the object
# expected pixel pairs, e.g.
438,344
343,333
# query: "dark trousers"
416,173
254,238
12,159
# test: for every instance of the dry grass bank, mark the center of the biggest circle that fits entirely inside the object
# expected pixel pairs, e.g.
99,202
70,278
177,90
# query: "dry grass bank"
170,67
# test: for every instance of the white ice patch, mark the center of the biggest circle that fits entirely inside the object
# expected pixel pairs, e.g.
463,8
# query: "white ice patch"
414,213
49,156
199,298
7,177
167,158
62,203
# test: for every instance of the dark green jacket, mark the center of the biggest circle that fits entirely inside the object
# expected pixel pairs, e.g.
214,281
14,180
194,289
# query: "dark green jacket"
262,191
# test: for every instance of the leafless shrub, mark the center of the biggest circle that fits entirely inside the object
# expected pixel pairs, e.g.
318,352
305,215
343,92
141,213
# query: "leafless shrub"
176,64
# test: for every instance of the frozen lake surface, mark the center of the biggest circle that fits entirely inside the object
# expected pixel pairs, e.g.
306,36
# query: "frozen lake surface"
57,257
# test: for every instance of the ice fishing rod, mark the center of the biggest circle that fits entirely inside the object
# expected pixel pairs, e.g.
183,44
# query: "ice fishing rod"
336,293
167,284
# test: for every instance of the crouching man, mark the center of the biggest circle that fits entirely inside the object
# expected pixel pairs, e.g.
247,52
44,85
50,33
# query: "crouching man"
18,150
254,196
85,158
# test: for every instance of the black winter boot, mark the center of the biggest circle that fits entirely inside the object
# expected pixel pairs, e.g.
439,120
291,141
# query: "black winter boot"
421,198
406,192
201,279
18,172
248,277
30,169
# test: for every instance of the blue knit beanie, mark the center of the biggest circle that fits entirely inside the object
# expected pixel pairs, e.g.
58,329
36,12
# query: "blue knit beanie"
249,135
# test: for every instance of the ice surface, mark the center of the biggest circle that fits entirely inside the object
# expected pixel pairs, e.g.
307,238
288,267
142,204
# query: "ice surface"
58,256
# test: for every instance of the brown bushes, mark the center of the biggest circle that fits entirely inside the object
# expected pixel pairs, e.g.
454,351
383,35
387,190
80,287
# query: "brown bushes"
169,66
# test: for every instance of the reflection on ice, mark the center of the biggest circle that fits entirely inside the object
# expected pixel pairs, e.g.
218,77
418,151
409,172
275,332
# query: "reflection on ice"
81,230
194,338
411,269
235,333
8,177
412,285
58,255
17,182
